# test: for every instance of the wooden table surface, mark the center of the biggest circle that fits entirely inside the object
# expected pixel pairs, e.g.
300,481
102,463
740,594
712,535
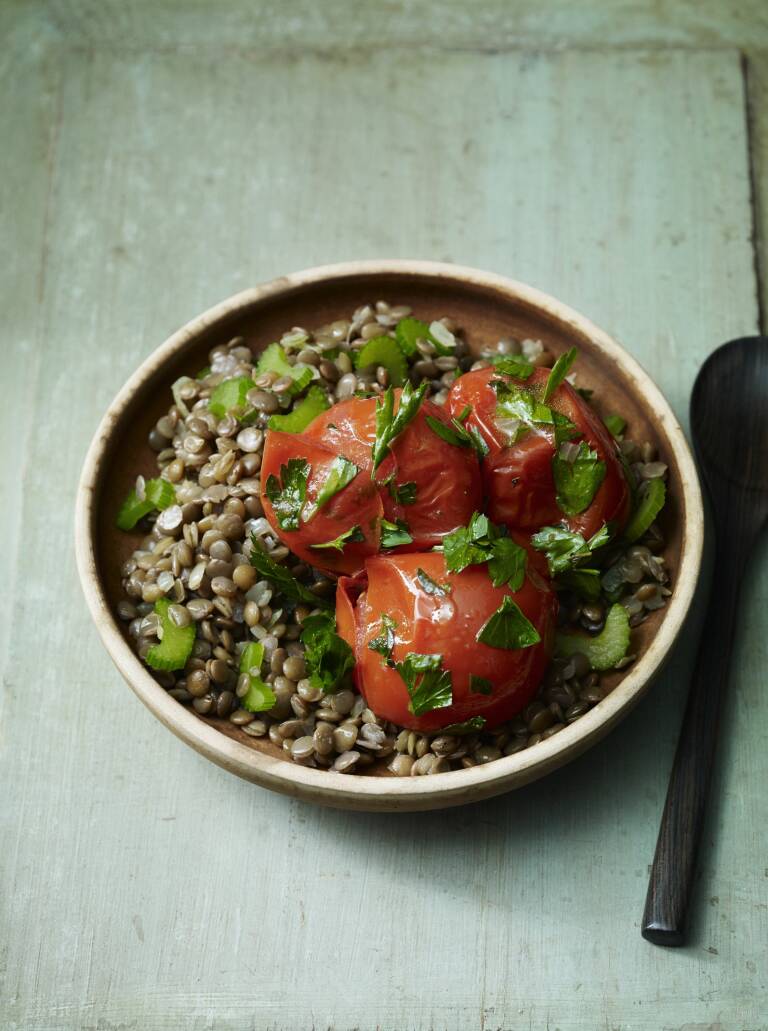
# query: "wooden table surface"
159,156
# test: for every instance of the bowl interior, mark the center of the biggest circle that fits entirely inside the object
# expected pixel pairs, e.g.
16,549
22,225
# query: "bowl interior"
485,311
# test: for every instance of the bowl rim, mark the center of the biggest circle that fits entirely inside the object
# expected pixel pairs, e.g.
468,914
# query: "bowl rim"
389,793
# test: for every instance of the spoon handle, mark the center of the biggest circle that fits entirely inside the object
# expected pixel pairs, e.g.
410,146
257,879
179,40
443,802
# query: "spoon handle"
666,905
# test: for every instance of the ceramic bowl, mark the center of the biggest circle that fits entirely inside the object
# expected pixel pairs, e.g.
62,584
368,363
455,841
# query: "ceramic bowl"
488,307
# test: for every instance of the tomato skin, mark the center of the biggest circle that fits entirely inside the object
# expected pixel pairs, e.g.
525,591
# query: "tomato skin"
518,479
447,482
358,504
445,625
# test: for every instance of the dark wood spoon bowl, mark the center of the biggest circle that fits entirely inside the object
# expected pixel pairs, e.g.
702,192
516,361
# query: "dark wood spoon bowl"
487,307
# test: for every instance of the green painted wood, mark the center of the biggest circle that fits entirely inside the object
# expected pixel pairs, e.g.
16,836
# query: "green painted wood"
144,888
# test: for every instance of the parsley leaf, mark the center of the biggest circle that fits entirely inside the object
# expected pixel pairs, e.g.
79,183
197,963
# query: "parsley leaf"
394,534
508,628
578,479
388,425
329,658
559,371
354,533
513,365
564,429
430,586
615,425
384,642
482,541
428,684
564,548
286,584
403,493
507,563
583,582
340,474
517,410
479,685
470,726
458,435
289,493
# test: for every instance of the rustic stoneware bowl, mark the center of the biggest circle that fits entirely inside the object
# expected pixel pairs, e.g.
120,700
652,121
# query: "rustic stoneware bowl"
487,307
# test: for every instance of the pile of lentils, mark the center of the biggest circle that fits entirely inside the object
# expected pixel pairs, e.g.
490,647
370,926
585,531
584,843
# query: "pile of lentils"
196,554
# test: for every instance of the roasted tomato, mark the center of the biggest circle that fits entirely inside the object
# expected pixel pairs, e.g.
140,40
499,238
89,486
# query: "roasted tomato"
517,477
443,623
425,483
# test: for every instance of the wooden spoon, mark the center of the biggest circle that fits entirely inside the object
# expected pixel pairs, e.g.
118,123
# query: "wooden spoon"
729,425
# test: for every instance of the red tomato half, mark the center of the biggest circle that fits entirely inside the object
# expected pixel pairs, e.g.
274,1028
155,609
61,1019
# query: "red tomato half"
518,478
446,625
444,478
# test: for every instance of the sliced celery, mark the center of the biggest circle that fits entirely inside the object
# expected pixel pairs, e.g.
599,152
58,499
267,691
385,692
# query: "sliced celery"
259,697
273,360
650,501
384,351
229,394
158,494
315,402
176,643
606,648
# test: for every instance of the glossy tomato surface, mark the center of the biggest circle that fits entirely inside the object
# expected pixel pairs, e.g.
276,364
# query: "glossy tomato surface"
517,478
447,625
442,482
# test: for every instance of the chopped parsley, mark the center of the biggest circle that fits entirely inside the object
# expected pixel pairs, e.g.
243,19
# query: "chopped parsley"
508,628
481,541
393,535
513,365
429,685
430,586
340,474
384,642
583,582
470,726
577,478
458,435
559,371
403,493
288,494
517,410
352,535
615,425
388,425
287,584
479,685
329,658
564,548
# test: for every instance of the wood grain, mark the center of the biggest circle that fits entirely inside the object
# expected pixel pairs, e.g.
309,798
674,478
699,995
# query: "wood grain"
144,888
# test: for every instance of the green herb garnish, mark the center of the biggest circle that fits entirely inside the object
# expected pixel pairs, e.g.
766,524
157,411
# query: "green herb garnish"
605,649
508,628
353,534
458,435
341,473
470,726
430,586
388,425
559,371
403,493
260,697
393,535
615,425
564,548
482,541
517,410
577,479
479,685
329,658
287,584
229,394
583,582
428,684
296,421
384,642
650,501
176,642
386,352
158,494
273,359
507,563
513,365
288,494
